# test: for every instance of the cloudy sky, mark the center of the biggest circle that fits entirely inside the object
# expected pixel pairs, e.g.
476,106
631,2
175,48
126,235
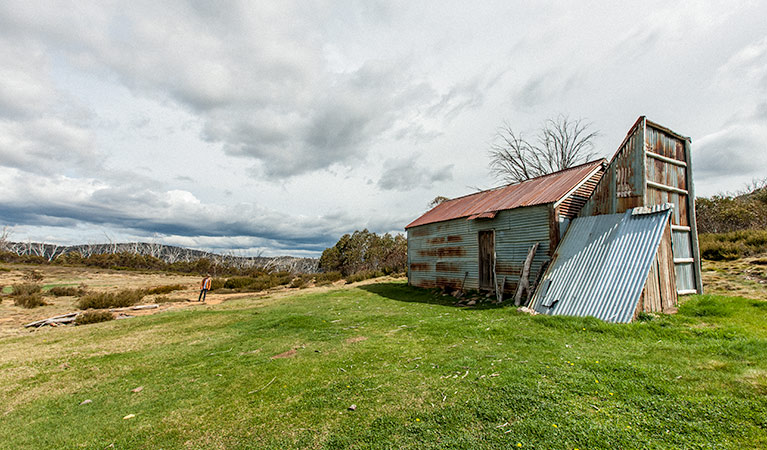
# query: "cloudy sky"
275,127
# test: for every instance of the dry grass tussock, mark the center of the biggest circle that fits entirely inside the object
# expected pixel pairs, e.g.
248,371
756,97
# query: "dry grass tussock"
103,300
93,317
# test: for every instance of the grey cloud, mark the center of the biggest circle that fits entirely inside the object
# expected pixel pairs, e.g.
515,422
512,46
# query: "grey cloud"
270,96
48,145
57,201
405,175
738,150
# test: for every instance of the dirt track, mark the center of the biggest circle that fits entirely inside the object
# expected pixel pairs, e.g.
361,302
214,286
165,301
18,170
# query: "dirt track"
12,317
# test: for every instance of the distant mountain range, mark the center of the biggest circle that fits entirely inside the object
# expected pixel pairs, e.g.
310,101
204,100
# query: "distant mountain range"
167,253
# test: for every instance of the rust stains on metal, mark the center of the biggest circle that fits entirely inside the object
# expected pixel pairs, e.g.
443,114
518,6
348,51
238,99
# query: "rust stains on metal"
448,267
420,267
436,240
455,238
443,252
537,191
448,283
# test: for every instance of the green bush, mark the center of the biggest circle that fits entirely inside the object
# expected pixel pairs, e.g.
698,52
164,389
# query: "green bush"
93,317
239,282
325,278
29,300
301,281
732,245
102,300
364,275
166,299
26,289
259,283
217,283
165,289
67,291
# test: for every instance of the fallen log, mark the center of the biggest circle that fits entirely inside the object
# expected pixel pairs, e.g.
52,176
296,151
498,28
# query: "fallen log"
152,306
63,318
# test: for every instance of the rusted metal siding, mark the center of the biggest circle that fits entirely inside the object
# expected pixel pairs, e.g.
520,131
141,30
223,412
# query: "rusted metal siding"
537,191
622,186
441,254
652,167
603,265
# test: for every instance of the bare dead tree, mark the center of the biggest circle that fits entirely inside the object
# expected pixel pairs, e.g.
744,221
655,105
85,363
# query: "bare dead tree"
437,200
561,143
4,239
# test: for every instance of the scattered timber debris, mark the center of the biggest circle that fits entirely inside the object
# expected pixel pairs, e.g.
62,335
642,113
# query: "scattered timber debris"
68,318
54,321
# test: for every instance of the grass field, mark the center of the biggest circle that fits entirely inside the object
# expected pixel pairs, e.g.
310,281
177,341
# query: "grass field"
282,372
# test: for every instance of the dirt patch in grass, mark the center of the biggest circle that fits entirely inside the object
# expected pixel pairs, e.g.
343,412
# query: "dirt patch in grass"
354,339
288,354
757,379
745,277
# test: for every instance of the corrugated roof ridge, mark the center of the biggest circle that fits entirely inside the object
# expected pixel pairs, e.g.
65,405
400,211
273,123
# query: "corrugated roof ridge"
453,207
559,172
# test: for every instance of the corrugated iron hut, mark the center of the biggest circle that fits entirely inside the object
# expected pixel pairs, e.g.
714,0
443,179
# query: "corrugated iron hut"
482,240
612,267
652,167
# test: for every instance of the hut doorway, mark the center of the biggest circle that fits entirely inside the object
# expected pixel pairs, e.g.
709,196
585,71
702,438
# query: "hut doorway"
486,258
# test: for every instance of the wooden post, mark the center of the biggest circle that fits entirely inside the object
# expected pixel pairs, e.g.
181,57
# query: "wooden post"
524,281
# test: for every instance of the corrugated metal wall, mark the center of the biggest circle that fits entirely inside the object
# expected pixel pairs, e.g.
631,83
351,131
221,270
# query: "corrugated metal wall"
440,254
602,266
652,167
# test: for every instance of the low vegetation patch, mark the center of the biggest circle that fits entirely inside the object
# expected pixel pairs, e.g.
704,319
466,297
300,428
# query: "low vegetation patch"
165,289
26,289
258,283
732,245
67,291
301,281
102,300
364,275
93,317
325,278
29,300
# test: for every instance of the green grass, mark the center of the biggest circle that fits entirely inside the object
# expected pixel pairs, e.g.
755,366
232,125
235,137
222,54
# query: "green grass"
423,375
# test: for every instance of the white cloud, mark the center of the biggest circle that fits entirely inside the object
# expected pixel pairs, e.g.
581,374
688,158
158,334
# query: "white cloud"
283,125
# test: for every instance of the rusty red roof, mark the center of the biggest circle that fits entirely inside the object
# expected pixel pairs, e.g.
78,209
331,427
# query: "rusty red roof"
536,191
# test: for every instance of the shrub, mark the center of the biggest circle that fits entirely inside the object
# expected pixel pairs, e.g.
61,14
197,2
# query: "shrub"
29,300
120,299
33,275
165,289
301,281
67,291
324,278
364,275
259,283
26,289
166,299
732,245
239,282
93,317
217,283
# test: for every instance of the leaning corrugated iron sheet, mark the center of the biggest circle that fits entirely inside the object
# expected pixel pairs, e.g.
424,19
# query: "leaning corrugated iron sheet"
601,266
538,191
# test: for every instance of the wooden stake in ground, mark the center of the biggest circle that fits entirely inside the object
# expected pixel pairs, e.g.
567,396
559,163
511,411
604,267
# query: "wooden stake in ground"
524,281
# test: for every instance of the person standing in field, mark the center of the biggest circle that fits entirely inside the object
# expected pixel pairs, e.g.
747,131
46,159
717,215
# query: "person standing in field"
204,288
